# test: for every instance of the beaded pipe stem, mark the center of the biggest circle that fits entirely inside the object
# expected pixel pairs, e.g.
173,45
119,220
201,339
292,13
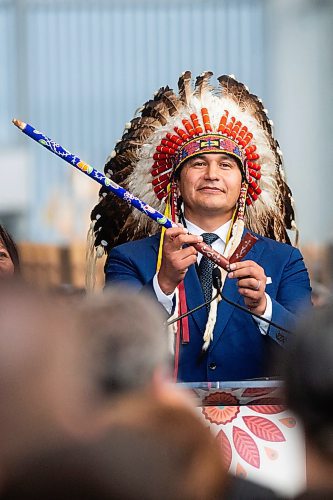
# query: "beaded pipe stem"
115,188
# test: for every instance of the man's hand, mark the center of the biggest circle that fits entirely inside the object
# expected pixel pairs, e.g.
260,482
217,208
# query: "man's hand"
251,284
176,259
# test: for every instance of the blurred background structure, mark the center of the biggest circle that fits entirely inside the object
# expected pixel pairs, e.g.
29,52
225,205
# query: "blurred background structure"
78,69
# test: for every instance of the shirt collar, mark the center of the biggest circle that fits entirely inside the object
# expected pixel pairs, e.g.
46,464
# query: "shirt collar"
221,231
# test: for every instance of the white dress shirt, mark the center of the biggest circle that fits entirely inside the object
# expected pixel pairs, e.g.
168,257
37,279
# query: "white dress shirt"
219,246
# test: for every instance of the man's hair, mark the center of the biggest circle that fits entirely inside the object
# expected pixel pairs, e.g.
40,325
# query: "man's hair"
9,244
127,340
308,374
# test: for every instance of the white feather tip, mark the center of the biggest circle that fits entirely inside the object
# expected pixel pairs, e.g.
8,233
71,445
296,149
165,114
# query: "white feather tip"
99,251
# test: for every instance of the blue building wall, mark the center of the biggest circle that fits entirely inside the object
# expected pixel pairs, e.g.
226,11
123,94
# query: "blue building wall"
77,70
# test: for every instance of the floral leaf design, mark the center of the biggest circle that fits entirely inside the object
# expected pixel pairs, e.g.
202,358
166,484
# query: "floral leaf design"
264,428
246,447
267,406
226,448
257,391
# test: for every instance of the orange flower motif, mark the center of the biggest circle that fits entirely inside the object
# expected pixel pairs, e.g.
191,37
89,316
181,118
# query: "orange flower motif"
220,414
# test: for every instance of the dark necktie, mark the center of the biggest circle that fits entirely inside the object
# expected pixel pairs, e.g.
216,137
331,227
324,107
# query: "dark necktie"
206,268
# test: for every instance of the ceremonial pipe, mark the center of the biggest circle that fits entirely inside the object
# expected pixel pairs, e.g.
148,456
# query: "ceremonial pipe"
119,191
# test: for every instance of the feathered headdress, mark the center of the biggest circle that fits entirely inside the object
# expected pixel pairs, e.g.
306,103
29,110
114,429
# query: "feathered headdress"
172,128
168,131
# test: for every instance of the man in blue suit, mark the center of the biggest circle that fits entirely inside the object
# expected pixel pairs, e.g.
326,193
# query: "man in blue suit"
272,281
225,179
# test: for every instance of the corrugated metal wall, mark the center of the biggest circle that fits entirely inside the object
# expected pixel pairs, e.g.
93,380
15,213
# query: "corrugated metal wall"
7,70
78,69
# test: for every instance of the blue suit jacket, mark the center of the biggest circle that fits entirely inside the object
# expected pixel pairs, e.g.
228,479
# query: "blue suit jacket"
239,351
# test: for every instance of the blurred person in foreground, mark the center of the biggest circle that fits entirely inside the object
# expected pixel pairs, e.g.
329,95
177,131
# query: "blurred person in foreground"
45,392
206,158
145,438
321,294
9,258
308,377
130,360
152,450
127,346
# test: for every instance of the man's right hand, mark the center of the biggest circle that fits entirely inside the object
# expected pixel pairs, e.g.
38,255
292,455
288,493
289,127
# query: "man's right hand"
176,259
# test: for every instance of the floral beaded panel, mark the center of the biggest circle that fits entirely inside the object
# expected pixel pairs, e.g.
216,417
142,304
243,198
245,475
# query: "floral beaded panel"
259,437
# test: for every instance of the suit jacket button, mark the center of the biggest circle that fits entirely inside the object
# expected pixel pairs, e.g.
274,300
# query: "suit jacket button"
212,366
280,337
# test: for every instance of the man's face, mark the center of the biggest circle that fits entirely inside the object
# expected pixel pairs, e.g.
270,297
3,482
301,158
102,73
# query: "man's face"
210,185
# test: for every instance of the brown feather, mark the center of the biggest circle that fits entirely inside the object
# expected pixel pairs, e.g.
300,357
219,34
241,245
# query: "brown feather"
284,201
235,90
185,87
156,109
202,84
173,103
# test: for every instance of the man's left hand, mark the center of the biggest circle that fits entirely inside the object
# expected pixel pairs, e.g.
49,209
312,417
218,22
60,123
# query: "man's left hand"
251,284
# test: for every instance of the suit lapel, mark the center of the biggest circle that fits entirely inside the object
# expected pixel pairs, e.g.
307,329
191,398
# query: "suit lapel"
230,290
